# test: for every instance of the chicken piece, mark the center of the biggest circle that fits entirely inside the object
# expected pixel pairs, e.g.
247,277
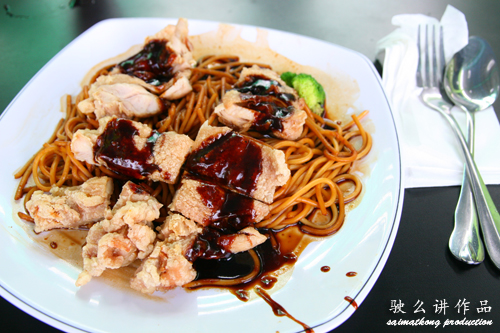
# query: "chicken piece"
164,63
180,88
132,87
262,102
166,267
177,227
238,162
244,112
115,250
130,209
170,263
249,75
178,42
132,149
131,192
143,237
238,118
71,207
105,250
124,235
91,265
243,240
124,100
169,153
135,209
82,144
118,78
137,217
209,204
220,243
124,209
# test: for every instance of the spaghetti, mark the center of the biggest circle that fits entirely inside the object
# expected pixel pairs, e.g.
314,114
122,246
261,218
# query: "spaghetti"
314,198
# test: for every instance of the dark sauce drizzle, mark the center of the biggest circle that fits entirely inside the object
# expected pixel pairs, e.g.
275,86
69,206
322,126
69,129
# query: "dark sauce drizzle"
210,244
262,95
152,64
279,310
351,274
232,266
352,302
231,212
234,161
325,269
116,148
211,262
262,86
230,160
242,295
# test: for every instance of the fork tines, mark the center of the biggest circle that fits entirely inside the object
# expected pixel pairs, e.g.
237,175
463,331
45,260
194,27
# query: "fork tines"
431,55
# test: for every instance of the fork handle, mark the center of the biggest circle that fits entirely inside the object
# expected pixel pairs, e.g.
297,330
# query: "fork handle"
465,240
489,218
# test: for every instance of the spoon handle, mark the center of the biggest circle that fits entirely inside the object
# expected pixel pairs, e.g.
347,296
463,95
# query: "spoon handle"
465,242
487,212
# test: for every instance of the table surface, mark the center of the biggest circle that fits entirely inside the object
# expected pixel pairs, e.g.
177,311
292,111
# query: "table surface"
420,267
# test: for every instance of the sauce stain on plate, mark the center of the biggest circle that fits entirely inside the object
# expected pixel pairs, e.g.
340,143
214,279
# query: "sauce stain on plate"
352,302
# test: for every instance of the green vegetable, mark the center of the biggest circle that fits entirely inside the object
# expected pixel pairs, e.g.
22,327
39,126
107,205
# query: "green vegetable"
288,78
308,88
154,136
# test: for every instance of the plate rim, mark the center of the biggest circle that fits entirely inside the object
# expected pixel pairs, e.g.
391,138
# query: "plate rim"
345,314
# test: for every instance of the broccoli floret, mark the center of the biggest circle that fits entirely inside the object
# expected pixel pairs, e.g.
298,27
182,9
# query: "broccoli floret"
308,88
288,78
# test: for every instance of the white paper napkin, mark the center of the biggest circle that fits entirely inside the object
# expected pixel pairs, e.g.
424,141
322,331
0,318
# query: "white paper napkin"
430,152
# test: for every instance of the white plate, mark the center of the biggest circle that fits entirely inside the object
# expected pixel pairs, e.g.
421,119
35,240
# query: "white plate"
41,284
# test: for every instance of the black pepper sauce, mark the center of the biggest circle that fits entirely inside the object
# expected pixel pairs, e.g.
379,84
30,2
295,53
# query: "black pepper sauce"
211,261
271,106
116,148
231,212
220,158
153,63
280,249
262,86
230,160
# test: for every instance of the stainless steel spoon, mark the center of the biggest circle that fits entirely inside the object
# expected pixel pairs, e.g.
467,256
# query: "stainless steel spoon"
472,82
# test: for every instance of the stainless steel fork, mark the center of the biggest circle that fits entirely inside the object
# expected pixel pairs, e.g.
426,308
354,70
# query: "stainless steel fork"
465,241
429,75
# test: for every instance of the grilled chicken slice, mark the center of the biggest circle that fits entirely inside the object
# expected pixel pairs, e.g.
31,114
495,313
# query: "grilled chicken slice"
132,149
135,86
243,240
238,162
164,61
207,203
262,102
124,100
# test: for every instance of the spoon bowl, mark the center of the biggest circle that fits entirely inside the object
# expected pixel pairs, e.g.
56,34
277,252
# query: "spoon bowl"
472,77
